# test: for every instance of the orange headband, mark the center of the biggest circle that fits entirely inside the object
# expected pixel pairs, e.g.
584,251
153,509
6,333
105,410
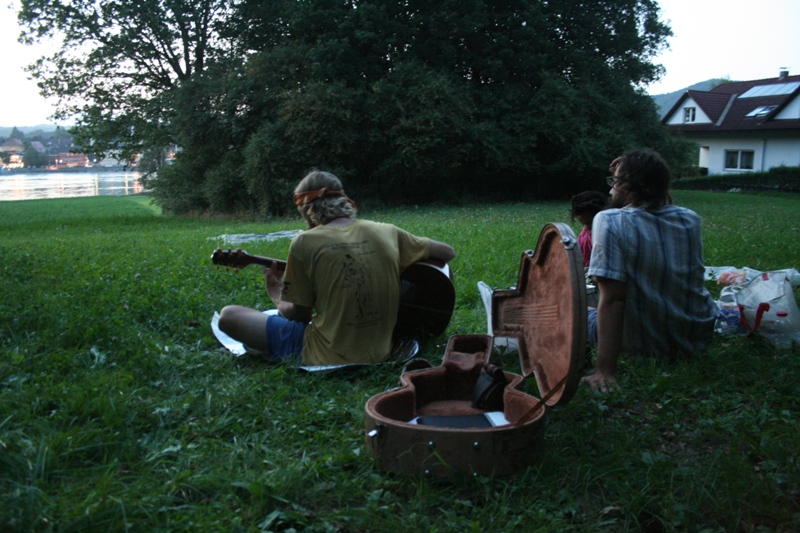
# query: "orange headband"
304,198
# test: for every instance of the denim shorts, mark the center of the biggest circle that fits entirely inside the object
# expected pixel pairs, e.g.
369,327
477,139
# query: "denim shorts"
285,338
591,326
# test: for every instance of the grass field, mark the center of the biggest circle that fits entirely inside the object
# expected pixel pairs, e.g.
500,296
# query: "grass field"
120,412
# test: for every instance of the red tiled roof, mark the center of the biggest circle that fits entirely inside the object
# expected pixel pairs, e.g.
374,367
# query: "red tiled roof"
728,110
712,104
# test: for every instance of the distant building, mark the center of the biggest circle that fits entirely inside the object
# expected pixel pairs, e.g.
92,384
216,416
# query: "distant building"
15,150
743,126
70,160
12,146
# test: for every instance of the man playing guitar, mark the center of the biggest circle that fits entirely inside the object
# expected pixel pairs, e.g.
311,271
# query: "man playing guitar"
339,295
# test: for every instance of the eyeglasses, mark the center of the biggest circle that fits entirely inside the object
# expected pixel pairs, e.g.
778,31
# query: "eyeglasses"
612,181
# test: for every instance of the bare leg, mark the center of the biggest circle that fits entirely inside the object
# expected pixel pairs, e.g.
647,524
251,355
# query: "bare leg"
246,325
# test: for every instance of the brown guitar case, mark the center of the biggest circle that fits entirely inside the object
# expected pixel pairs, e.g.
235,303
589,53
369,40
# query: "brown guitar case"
428,424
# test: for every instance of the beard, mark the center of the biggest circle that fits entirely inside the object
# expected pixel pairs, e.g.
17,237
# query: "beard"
618,200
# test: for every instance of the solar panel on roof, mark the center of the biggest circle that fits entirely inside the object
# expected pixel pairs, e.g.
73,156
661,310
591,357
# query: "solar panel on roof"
775,89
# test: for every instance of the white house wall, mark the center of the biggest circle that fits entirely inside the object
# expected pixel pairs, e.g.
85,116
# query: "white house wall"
782,152
699,117
768,152
791,111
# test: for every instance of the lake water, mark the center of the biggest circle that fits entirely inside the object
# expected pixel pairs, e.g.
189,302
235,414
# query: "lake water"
37,185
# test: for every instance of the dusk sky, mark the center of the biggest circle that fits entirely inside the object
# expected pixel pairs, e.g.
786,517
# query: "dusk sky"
737,39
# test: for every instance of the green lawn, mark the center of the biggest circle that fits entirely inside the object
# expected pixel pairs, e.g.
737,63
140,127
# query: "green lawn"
119,410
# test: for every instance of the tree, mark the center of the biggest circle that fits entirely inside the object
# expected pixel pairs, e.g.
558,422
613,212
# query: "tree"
409,101
33,157
16,134
119,62
420,100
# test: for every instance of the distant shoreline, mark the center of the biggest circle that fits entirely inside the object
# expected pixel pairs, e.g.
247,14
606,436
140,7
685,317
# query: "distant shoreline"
88,170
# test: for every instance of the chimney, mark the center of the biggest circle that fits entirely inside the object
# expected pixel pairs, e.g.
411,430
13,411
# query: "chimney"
783,74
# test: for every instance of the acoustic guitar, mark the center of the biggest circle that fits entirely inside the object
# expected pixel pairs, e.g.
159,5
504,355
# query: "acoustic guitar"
427,295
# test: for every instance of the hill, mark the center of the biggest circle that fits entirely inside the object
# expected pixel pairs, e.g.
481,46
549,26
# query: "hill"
5,131
665,101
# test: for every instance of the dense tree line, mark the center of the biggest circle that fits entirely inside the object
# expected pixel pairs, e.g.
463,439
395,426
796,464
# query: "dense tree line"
408,101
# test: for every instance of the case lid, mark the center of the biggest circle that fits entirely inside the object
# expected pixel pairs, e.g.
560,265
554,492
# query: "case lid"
546,312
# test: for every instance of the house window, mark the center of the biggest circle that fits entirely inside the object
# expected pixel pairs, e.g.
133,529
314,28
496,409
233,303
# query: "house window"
689,114
761,111
739,159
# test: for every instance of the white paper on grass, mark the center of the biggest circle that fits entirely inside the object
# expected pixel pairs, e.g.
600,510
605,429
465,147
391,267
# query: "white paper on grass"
256,237
233,346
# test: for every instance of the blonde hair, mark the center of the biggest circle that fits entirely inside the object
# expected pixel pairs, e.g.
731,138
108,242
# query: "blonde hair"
325,208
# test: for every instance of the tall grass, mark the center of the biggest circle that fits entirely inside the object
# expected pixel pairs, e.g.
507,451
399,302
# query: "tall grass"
119,411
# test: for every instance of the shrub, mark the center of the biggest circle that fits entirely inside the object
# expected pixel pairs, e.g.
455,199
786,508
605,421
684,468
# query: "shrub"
783,179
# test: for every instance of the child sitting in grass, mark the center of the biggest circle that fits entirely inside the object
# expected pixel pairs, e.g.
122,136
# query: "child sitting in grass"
585,206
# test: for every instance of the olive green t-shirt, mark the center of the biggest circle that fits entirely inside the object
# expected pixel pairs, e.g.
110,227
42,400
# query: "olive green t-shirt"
350,276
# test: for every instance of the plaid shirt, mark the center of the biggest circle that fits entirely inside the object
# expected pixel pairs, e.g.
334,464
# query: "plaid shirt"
659,256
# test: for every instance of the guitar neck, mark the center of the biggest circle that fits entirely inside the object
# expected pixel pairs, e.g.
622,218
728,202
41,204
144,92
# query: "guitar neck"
266,261
240,259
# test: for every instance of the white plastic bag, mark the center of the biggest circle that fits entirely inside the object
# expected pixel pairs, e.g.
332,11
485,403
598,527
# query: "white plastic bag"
729,321
761,300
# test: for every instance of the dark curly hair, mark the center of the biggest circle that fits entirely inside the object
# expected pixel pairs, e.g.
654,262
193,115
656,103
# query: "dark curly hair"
645,176
588,202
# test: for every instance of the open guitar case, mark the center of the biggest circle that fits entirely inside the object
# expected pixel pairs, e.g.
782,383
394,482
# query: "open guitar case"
469,416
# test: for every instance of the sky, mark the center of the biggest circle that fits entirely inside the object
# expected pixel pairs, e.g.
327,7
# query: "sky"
736,39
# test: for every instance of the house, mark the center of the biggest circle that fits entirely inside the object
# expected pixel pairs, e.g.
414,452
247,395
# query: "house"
39,147
12,146
70,160
14,150
742,126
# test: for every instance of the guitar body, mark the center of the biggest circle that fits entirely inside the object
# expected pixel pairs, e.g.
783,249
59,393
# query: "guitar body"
427,300
427,295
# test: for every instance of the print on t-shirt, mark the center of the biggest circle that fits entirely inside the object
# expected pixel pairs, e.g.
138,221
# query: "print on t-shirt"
354,257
